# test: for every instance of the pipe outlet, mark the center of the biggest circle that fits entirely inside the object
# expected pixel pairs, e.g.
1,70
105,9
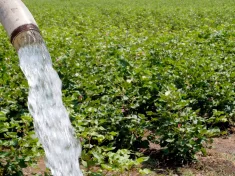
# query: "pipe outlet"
19,23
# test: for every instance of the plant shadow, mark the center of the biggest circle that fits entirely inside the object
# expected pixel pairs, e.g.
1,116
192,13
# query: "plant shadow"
161,164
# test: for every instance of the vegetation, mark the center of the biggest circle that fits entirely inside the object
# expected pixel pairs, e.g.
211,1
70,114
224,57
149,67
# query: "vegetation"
134,72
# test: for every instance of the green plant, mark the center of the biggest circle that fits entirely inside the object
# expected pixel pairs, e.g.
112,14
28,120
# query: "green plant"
129,69
182,133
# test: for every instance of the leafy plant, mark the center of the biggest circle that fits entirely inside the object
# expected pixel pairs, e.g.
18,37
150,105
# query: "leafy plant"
133,73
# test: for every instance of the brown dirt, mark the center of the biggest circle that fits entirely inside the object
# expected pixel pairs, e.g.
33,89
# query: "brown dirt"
225,145
40,169
220,161
221,158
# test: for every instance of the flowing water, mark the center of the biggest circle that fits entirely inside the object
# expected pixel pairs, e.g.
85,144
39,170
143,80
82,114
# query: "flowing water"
51,120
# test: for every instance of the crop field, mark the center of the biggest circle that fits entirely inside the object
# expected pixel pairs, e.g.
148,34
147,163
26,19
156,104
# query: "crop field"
138,76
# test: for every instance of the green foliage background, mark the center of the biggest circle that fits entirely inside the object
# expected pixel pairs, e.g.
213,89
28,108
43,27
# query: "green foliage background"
129,68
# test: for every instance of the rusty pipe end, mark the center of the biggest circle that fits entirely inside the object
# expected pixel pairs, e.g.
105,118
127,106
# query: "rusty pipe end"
22,28
26,34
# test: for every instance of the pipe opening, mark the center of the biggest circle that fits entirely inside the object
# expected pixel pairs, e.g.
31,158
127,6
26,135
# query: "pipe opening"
27,34
23,28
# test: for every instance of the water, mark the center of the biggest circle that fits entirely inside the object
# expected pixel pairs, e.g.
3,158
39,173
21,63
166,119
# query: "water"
51,120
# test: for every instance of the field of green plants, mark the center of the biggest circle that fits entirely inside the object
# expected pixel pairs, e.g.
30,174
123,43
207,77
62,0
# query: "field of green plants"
134,72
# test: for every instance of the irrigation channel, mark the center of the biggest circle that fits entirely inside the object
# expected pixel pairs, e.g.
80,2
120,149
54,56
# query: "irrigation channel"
51,120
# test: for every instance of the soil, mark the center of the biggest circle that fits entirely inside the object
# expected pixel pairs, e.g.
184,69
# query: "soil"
40,169
220,161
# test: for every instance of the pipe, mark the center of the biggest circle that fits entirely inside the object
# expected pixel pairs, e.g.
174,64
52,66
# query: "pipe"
19,23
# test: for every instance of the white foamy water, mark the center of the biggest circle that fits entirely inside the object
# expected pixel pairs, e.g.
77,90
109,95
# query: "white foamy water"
51,120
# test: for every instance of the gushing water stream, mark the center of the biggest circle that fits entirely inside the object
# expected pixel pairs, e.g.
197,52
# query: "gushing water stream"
51,120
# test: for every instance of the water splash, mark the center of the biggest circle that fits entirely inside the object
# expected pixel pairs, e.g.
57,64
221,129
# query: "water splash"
51,120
